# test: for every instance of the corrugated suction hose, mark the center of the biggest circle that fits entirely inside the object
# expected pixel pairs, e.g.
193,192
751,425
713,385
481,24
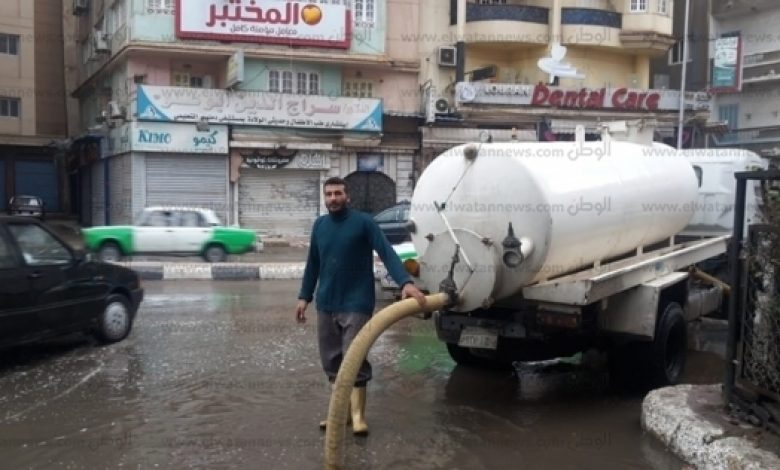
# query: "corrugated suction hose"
358,350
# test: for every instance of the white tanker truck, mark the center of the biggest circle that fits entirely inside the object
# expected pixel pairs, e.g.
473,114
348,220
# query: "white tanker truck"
556,248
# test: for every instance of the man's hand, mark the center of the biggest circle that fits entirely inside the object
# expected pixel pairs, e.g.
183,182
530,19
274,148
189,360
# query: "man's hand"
300,311
410,290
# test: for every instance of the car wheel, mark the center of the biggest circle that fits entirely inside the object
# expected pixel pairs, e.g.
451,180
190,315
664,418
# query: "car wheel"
115,321
214,254
109,252
670,346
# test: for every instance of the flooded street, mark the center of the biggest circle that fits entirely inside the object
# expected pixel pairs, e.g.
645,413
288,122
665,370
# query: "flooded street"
218,375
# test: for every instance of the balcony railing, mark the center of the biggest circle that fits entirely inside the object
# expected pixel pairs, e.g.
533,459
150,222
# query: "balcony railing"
591,17
756,135
529,14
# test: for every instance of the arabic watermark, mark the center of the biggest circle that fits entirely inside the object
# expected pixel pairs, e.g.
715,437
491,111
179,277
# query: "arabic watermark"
575,207
121,442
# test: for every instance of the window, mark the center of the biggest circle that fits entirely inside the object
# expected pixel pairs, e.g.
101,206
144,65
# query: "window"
676,53
314,84
157,219
39,247
285,81
699,173
159,6
638,5
10,107
191,219
9,44
364,11
663,7
185,79
387,216
358,89
7,256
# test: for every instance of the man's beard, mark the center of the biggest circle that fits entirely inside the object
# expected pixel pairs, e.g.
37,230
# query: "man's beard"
334,208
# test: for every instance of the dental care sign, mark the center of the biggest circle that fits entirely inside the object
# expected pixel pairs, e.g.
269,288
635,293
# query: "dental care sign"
620,99
264,21
257,108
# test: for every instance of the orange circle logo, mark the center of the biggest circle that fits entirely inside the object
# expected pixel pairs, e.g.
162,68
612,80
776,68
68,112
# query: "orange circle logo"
311,14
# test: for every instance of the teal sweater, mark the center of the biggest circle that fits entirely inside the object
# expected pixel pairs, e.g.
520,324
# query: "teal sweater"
341,258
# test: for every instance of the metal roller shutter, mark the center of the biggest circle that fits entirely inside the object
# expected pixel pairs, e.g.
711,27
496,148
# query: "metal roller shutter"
279,202
3,196
121,191
189,181
98,194
38,178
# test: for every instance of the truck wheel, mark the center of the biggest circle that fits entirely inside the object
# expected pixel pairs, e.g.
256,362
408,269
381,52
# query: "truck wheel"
670,346
109,252
463,356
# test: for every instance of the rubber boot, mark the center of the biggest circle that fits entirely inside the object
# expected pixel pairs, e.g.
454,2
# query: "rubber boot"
358,404
324,422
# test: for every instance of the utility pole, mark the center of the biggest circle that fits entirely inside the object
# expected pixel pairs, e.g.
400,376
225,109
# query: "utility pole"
681,119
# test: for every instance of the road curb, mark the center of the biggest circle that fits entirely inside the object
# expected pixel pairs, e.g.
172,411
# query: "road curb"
216,272
691,421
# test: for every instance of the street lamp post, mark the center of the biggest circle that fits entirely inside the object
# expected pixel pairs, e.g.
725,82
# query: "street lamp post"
681,118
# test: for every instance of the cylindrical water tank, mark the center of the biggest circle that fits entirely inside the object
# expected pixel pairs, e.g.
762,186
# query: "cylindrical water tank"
569,204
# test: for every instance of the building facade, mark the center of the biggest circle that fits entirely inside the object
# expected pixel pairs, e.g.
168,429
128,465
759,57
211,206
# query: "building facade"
532,70
33,124
244,109
746,74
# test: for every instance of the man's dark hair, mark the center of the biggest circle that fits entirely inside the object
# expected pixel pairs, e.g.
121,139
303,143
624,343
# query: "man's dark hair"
335,180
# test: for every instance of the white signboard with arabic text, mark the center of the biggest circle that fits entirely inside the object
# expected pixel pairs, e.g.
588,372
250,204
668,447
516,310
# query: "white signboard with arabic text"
258,108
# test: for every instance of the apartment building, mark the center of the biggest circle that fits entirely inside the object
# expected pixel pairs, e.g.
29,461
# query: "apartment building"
33,123
534,69
244,107
745,53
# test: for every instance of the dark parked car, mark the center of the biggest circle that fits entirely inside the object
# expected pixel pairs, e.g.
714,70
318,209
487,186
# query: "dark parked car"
393,220
26,205
47,288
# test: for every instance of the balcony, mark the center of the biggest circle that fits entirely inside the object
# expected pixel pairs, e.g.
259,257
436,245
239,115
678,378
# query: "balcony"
755,138
591,27
761,68
647,32
507,24
722,9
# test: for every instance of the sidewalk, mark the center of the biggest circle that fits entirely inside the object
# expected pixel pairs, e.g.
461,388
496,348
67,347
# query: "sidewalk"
691,420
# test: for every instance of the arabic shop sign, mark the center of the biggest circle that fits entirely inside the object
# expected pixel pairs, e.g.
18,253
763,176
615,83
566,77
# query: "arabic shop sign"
259,108
178,138
726,65
619,99
272,160
264,21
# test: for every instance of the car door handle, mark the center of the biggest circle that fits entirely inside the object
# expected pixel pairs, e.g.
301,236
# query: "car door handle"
35,275
169,231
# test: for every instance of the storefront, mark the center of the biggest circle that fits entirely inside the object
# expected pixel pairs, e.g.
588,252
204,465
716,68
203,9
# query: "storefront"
279,190
161,164
32,171
518,112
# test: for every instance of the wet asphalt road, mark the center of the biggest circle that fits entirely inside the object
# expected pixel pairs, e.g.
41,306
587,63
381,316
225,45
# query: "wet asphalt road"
218,376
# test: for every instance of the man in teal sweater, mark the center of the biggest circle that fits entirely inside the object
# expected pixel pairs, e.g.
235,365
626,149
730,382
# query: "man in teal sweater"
341,259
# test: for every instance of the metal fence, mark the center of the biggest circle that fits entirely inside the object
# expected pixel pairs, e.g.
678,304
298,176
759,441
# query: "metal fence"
753,374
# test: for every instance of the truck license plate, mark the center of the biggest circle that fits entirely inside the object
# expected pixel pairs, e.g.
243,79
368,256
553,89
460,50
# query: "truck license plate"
473,337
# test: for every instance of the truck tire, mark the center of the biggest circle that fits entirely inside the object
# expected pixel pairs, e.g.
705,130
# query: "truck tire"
670,346
651,364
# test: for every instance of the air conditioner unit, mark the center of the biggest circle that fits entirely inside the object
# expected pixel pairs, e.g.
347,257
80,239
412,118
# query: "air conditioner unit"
80,7
447,56
115,111
442,106
100,41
